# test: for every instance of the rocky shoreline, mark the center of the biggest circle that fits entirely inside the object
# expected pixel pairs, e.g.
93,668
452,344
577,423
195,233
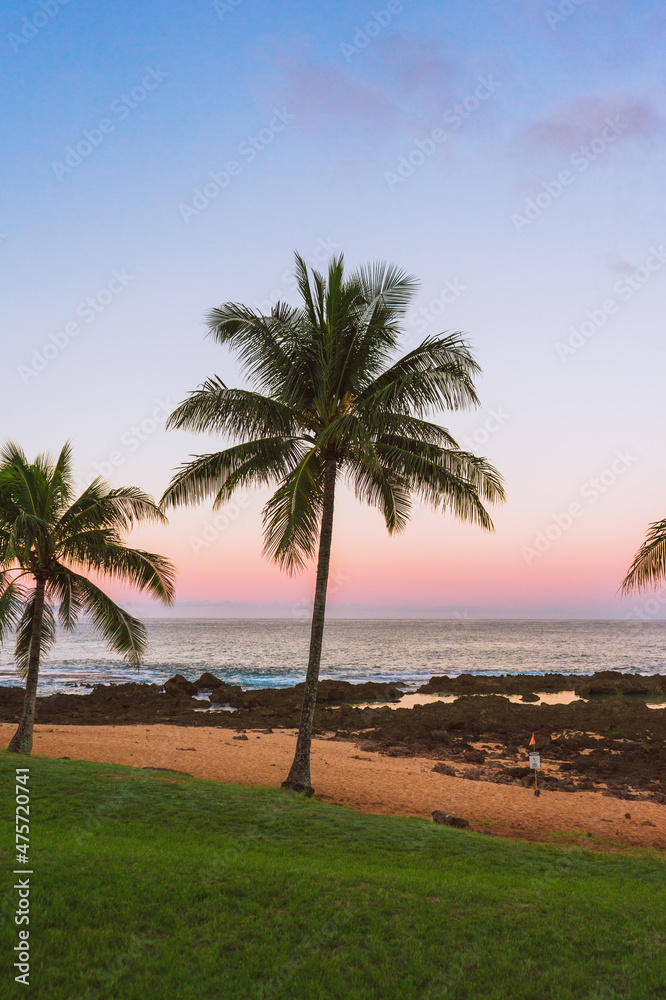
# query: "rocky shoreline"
616,746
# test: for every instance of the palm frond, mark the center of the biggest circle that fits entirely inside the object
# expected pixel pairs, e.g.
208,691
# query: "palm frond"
60,478
215,409
649,565
13,598
265,345
435,375
145,571
61,588
220,473
443,478
292,515
100,507
123,633
45,638
384,489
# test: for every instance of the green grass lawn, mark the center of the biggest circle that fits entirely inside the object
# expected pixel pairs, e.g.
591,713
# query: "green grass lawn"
147,886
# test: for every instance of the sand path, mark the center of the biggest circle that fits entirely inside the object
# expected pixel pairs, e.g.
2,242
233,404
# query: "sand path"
371,782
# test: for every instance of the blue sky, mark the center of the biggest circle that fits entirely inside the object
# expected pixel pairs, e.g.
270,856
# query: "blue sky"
509,155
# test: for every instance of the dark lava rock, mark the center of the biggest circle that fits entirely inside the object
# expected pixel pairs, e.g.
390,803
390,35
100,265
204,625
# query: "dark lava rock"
338,691
504,684
207,682
444,819
178,687
440,736
226,694
528,696
445,769
474,757
11,702
241,737
609,682
517,772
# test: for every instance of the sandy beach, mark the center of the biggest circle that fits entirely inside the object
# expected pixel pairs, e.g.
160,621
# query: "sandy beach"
345,774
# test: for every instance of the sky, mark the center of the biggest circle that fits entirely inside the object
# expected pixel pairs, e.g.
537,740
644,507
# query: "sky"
161,159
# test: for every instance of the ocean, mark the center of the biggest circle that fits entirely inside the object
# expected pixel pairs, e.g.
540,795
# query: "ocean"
273,653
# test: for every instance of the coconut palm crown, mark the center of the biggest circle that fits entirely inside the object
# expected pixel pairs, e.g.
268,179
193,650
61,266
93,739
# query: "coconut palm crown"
50,538
329,402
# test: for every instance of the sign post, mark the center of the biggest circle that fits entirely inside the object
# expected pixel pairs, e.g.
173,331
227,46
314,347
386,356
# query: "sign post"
535,764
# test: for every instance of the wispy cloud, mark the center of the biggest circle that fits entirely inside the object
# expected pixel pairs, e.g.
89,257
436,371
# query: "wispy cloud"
577,122
321,93
400,82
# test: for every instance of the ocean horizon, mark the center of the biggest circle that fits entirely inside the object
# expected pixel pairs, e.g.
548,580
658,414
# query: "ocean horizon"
265,652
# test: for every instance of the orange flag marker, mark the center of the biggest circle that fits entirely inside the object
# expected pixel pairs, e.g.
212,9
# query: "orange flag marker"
532,741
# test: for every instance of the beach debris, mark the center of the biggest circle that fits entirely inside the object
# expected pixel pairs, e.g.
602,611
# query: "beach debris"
445,819
241,737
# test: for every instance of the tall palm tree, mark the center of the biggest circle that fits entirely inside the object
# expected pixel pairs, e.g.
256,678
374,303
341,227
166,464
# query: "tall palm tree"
48,538
328,404
649,565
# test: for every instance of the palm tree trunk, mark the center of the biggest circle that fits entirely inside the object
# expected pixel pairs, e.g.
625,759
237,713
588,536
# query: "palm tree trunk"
22,739
299,775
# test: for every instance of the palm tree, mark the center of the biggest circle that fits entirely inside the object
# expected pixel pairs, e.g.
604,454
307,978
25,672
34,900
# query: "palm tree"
46,535
649,565
329,405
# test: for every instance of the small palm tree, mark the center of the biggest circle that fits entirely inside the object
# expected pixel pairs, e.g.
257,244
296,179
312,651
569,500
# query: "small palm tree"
46,535
329,405
649,565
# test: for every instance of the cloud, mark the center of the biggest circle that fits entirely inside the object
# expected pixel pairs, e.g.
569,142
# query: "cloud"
325,92
399,82
417,72
577,122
